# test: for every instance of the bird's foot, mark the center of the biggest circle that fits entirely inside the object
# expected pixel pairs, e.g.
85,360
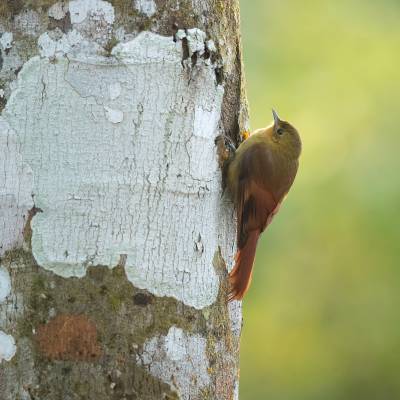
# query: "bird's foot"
226,141
225,148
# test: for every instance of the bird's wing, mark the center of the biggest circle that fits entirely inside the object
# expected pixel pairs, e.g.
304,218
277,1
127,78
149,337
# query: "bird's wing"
255,207
256,202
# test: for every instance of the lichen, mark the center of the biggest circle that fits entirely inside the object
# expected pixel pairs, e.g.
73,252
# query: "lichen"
120,332
122,329
124,316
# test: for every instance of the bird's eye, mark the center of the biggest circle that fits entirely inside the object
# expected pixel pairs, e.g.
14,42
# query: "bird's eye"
279,131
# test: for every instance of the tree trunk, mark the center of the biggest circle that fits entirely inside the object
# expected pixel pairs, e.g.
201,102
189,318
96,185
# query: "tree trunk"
114,238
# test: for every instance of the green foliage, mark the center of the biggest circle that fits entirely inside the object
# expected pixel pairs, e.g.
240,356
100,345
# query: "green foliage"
321,318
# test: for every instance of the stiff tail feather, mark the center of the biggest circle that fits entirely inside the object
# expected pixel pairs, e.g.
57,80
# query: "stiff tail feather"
240,276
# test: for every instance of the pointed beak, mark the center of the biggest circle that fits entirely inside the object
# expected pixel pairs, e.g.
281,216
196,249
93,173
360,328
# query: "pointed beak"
276,117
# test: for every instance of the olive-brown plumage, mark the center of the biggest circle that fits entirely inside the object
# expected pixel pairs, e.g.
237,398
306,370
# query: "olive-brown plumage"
259,175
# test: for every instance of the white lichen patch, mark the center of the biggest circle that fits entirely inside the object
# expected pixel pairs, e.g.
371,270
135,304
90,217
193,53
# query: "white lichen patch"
211,46
120,33
180,34
28,22
58,46
159,49
58,11
5,284
114,90
6,40
147,7
196,41
178,359
7,347
114,116
16,183
95,9
147,185
93,19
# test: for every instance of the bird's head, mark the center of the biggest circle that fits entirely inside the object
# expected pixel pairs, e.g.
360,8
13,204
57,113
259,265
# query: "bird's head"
285,136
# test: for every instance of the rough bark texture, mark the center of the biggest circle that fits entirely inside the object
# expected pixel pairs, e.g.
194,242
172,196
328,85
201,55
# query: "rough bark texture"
114,239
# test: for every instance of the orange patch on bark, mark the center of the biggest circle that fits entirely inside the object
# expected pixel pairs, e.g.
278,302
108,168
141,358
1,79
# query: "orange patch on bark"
69,337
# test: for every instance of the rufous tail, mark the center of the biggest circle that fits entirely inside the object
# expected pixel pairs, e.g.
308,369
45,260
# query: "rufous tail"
240,276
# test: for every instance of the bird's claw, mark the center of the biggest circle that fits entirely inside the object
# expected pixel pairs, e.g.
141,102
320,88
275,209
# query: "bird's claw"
225,149
226,141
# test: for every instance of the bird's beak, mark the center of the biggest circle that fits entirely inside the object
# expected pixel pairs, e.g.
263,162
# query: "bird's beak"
276,117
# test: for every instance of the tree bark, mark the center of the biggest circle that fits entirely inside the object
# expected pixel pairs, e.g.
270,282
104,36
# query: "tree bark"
114,239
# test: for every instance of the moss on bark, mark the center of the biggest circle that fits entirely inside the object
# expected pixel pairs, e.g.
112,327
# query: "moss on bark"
124,317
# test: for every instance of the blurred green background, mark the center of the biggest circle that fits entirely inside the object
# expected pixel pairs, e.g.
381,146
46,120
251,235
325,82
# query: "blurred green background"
322,318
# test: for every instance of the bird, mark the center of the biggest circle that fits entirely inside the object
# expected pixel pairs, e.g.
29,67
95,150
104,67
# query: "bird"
258,175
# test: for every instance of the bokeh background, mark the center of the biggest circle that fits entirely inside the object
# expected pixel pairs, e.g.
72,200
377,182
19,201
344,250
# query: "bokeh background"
322,318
